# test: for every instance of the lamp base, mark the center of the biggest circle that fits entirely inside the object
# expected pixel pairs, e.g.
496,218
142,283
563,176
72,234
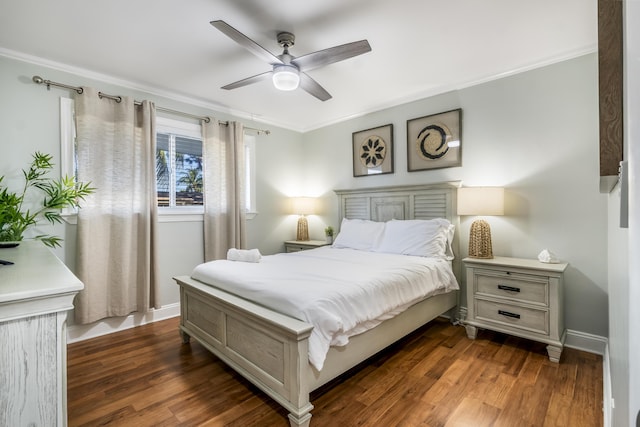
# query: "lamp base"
303,229
480,240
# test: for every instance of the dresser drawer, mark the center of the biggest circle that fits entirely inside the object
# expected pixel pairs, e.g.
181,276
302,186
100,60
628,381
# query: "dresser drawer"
515,287
529,319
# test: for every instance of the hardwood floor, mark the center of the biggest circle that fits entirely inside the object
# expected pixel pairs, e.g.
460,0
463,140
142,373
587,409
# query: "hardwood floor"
434,377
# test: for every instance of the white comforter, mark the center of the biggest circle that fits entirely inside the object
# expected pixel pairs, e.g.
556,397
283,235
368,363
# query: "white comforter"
341,292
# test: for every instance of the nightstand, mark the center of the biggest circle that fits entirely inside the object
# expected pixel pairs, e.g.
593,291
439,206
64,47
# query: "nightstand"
521,297
303,245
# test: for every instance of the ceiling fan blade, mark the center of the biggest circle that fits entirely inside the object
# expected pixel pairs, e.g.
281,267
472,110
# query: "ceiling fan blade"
331,55
246,42
249,80
313,87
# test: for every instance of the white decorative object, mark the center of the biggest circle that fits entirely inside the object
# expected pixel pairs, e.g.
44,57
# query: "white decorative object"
548,257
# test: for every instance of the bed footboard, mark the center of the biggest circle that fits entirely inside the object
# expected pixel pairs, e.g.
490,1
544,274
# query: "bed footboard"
266,348
271,350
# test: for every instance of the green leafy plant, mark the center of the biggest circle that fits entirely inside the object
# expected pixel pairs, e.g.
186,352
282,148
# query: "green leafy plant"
57,194
193,180
328,231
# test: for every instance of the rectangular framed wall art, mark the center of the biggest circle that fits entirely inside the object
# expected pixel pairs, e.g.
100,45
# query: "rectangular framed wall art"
373,151
434,142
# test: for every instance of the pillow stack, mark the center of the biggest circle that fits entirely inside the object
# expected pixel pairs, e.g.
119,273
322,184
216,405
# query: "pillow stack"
426,238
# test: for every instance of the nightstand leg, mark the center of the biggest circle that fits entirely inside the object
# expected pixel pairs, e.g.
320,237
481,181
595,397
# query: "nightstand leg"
554,353
186,338
472,331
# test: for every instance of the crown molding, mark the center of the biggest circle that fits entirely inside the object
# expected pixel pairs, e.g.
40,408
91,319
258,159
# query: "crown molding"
137,86
419,95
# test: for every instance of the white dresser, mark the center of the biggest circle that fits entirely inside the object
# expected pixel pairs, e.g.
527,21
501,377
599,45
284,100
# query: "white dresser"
521,297
35,295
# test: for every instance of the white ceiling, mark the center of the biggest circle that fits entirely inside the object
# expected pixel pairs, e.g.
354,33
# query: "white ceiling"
419,47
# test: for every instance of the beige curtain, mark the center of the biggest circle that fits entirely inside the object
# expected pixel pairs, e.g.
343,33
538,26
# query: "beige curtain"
115,242
224,198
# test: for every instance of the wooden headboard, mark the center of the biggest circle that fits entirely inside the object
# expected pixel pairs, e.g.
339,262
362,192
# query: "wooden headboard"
425,201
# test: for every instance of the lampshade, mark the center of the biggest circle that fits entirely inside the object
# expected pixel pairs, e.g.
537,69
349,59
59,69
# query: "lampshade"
303,205
480,201
286,77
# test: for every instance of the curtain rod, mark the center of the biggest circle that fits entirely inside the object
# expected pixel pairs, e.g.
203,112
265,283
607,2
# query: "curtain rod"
49,83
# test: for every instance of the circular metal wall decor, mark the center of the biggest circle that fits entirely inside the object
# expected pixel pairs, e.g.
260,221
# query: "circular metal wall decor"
431,142
373,150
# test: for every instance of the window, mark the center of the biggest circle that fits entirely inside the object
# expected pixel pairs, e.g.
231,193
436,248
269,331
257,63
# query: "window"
68,145
178,162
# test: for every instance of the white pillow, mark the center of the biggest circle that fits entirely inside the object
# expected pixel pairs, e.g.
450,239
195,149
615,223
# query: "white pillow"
359,234
427,238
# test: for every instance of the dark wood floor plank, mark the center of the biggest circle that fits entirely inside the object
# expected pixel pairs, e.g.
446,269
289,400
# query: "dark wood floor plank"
435,377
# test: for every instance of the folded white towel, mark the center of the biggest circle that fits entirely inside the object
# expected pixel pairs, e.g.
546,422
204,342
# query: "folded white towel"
245,255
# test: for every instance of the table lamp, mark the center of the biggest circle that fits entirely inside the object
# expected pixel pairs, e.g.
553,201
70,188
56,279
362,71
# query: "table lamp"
480,201
302,206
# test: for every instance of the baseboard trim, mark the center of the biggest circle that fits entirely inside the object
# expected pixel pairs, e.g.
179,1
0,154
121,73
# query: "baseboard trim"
462,314
77,333
597,345
607,396
573,339
586,342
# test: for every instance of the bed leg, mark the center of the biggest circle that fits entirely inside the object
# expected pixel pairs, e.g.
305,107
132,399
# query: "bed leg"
186,338
302,421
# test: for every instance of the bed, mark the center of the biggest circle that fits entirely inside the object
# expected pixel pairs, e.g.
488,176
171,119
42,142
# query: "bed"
272,349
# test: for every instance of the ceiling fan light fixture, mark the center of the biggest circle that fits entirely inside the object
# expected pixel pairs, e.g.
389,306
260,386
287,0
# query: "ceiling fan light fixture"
286,77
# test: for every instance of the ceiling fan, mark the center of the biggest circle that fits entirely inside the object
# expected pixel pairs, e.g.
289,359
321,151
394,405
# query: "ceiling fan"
289,72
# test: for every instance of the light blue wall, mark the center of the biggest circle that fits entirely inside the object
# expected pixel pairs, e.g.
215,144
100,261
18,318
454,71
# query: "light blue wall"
632,135
619,298
29,121
624,248
536,134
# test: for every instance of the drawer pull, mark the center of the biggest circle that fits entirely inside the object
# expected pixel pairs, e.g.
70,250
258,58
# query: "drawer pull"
508,288
509,314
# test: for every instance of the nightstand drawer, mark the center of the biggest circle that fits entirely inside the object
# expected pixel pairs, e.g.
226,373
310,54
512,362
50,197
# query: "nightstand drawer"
528,319
303,245
515,287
